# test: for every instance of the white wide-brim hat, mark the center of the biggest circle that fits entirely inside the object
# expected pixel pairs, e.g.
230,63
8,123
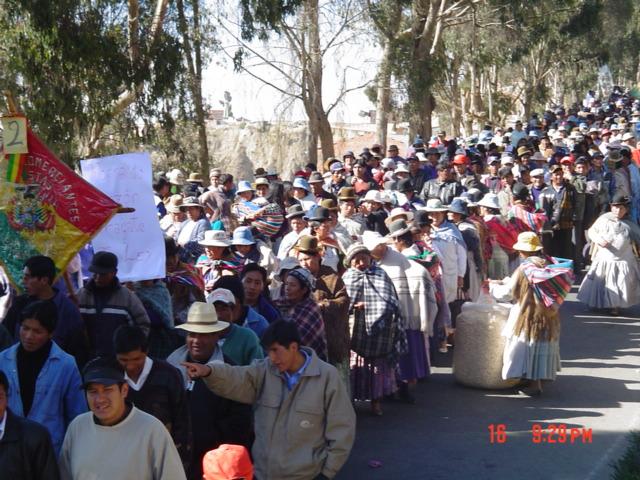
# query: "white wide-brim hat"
435,205
202,318
215,238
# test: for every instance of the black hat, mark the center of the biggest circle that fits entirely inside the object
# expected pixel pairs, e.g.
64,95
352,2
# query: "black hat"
318,214
432,151
620,199
405,185
104,262
294,211
520,191
102,370
442,165
421,218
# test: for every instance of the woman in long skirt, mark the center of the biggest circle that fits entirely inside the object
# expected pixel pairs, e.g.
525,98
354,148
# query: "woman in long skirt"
538,286
613,281
377,338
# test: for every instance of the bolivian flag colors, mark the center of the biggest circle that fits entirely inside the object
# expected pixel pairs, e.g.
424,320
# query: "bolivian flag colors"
46,209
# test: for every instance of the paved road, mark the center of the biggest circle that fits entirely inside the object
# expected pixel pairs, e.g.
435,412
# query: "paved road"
445,434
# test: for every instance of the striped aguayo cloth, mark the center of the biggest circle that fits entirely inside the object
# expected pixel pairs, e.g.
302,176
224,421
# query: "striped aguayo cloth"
552,283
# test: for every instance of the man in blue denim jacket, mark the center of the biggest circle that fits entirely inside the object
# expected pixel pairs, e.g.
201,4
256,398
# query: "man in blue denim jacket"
44,381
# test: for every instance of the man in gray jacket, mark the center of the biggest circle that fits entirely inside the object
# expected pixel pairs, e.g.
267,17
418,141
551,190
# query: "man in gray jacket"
304,422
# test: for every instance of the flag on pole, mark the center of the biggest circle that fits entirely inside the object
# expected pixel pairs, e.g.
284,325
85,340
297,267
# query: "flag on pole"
15,171
46,209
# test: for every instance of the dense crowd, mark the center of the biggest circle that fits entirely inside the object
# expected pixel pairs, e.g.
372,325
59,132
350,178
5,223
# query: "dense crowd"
285,303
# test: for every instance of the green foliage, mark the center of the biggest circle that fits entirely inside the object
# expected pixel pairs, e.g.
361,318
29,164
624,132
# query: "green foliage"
628,467
261,17
68,61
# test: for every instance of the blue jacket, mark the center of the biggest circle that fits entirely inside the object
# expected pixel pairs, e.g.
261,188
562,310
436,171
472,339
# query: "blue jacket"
267,310
58,397
255,322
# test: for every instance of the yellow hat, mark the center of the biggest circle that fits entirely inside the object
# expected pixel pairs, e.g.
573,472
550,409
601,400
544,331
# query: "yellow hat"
528,242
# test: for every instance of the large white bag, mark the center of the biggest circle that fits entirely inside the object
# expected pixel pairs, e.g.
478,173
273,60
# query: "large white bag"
477,356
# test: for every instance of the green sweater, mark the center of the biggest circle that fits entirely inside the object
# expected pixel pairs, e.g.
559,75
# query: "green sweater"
137,448
242,346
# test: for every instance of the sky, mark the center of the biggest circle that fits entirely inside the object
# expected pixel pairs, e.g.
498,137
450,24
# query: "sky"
255,101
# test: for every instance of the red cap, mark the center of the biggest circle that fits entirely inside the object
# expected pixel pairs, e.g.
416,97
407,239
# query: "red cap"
604,132
226,462
566,160
460,160
302,174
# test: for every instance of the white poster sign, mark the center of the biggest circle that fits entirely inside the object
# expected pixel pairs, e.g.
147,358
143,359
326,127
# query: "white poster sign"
135,237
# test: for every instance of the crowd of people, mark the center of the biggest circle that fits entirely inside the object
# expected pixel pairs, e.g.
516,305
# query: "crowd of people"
287,302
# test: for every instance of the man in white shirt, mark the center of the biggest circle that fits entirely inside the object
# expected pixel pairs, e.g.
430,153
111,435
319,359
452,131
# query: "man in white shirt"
155,387
115,439
295,216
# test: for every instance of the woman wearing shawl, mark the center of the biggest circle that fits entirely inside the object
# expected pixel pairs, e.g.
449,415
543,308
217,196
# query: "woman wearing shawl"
192,230
184,281
299,306
377,338
539,286
524,219
248,249
458,214
449,245
426,256
502,234
217,259
157,301
613,279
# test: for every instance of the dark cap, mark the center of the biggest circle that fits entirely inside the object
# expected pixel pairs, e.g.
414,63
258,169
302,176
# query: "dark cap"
405,185
504,172
102,370
620,199
295,211
104,262
421,218
318,214
520,191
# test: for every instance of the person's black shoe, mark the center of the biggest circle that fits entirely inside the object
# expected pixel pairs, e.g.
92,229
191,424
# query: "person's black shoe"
404,395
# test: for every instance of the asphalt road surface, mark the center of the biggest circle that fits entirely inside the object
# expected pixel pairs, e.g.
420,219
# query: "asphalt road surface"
446,434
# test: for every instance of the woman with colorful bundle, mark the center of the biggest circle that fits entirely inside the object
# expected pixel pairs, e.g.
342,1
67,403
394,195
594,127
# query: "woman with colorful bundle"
217,260
538,286
502,236
184,281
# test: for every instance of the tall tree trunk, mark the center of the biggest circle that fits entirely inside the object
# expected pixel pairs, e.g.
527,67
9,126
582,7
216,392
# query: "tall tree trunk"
194,69
129,96
312,135
326,136
203,147
315,79
456,120
383,99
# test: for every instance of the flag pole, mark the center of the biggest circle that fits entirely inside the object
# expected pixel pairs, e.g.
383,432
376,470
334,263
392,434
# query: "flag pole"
11,103
13,110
